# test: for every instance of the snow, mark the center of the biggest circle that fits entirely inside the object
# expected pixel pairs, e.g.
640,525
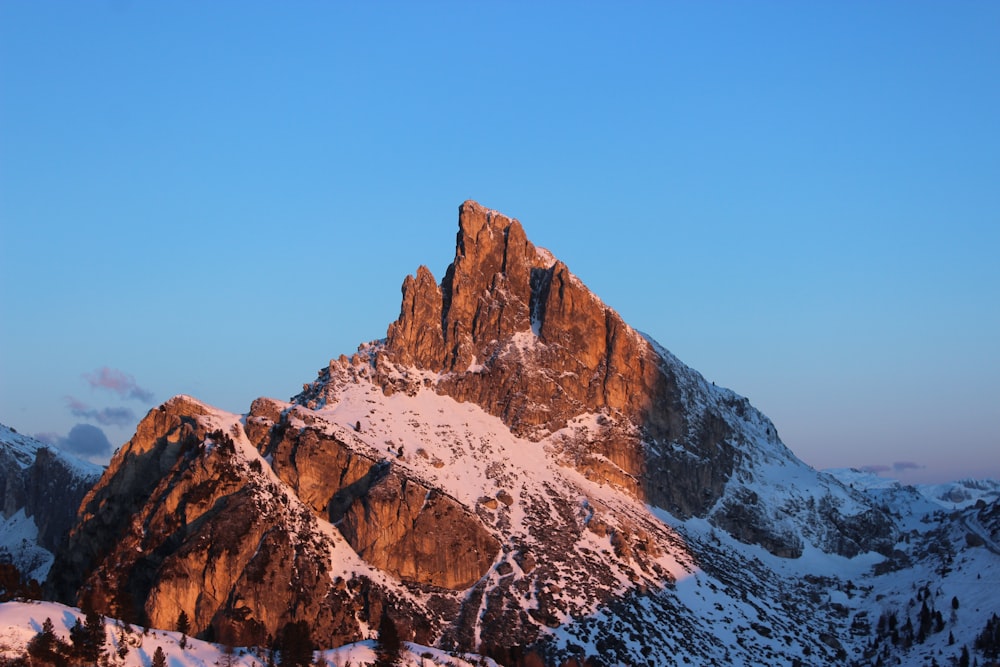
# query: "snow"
23,620
19,539
544,256
20,621
470,454
19,532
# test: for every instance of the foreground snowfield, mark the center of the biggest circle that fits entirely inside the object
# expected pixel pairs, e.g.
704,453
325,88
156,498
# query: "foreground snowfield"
20,621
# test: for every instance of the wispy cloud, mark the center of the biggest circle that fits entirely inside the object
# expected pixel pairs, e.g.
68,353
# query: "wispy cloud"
897,468
118,382
105,416
84,440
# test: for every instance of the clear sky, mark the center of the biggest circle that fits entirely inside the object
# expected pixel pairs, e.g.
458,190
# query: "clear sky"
799,199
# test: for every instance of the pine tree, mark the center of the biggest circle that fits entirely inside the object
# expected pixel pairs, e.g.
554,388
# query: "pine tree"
183,627
925,619
389,646
46,647
77,635
296,645
89,637
122,643
46,639
988,640
159,658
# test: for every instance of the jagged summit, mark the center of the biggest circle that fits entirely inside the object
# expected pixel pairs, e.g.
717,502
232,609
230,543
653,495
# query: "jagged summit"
443,328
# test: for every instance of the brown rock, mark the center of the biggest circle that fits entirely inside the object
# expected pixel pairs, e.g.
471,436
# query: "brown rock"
418,535
393,523
417,333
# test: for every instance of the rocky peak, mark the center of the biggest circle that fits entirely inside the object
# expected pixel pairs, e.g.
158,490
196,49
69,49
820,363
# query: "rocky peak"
509,320
486,295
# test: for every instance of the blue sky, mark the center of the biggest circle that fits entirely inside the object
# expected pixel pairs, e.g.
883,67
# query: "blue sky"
800,200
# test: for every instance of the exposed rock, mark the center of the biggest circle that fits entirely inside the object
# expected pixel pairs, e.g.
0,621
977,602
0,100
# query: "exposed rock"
418,535
184,521
396,524
49,491
417,333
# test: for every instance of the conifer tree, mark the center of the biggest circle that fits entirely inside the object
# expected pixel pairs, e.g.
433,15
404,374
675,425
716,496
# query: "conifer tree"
389,646
122,643
46,647
296,645
89,637
183,627
159,658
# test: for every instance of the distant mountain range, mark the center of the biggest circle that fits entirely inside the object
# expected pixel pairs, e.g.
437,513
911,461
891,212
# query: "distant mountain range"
514,473
40,491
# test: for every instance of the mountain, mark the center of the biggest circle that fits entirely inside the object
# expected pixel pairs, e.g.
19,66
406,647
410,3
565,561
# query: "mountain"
40,490
514,471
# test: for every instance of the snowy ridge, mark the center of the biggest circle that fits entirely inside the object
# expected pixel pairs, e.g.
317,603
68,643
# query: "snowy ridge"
20,447
470,454
795,501
23,449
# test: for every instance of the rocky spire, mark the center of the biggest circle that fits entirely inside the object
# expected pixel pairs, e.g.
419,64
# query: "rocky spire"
519,334
485,295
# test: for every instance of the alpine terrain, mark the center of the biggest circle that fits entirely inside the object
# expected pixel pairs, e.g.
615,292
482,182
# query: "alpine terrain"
40,489
514,472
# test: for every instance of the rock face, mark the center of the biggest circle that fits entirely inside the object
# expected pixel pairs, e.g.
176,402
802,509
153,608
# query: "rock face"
501,291
46,486
180,522
394,523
